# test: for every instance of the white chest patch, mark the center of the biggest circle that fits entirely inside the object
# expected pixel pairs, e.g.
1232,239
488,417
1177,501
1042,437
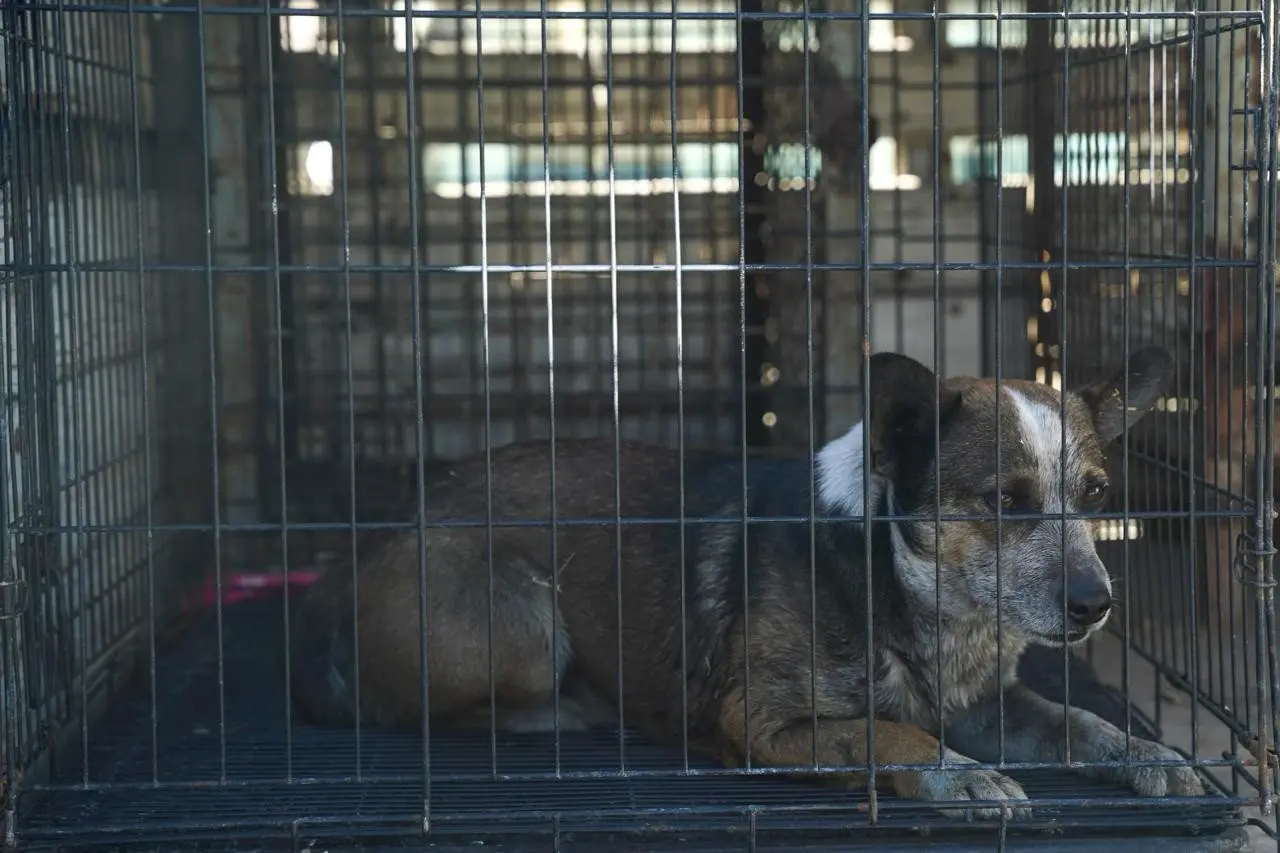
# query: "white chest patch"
841,475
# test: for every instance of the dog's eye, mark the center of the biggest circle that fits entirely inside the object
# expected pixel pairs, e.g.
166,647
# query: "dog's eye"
1003,500
1096,489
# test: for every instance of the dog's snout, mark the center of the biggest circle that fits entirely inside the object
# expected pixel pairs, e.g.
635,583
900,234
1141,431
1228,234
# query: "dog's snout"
1088,602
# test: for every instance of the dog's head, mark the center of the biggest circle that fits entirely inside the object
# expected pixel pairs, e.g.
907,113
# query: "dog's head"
1049,584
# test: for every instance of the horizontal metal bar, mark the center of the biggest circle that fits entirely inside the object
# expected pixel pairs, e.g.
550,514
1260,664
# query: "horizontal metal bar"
497,819
625,521
600,269
621,774
210,11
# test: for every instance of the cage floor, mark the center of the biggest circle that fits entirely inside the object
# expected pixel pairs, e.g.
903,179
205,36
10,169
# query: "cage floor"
198,767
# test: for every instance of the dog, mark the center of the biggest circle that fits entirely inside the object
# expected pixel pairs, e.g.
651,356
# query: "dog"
650,616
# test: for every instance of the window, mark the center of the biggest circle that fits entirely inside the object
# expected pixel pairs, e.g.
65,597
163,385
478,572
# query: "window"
882,33
452,170
1081,32
1090,159
311,169
568,36
422,24
447,36
971,32
974,159
884,167
305,33
1114,32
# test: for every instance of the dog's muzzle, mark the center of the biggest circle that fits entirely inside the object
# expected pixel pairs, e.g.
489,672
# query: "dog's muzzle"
1087,602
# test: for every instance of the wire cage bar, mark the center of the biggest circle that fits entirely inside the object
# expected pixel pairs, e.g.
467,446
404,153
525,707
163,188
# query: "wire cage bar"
105,361
273,271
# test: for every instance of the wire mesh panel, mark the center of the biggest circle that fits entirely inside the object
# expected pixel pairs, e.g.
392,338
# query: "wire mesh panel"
105,422
543,151
296,293
1151,236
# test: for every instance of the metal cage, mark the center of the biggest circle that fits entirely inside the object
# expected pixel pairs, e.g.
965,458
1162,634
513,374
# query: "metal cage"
266,265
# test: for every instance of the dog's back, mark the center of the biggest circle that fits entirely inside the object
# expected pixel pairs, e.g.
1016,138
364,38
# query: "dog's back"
473,570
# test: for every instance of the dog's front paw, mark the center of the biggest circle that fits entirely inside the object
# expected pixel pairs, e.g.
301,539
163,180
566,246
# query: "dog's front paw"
1158,781
963,782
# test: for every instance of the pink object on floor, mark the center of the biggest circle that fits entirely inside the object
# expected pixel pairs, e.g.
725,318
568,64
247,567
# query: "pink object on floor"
246,586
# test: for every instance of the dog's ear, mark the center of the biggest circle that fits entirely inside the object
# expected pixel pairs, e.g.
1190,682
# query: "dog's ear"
1148,371
905,395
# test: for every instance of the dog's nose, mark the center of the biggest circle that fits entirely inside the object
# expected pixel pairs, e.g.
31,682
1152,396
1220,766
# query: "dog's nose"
1088,605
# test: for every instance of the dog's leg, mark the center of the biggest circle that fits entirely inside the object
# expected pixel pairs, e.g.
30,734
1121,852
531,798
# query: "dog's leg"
842,742
1036,729
580,709
539,718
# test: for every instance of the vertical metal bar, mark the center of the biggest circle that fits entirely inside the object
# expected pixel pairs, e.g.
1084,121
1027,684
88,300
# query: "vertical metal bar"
1184,444
1195,124
103,559
1152,250
73,470
999,353
678,257
119,483
1058,366
935,106
214,432
115,473
488,415
11,675
419,421
807,141
1221,230
899,224
343,166
1245,702
869,511
549,266
387,419
751,163
754,217
613,331
278,163
281,133
1040,110
144,333
1265,370
1125,456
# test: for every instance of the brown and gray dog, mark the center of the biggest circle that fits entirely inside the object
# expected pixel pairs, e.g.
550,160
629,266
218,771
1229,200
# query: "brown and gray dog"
935,592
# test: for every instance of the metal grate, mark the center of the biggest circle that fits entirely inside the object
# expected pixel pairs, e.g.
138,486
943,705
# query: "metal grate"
265,265
218,773
545,120
1158,197
105,423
